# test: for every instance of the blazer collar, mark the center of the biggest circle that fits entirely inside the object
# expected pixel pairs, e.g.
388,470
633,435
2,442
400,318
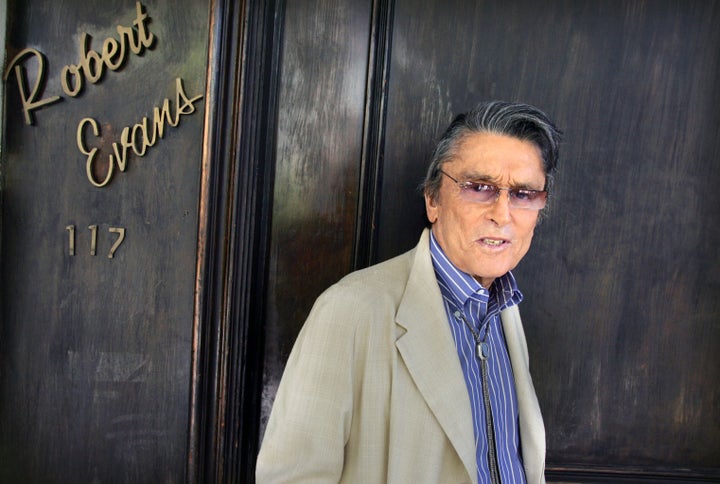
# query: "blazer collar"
428,350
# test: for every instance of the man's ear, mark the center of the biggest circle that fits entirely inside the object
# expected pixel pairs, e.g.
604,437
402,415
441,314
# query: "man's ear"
431,208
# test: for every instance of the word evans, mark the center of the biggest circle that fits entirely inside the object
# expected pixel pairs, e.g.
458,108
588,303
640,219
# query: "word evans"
137,138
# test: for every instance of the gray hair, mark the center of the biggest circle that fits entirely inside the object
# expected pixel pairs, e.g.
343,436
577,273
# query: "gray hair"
520,121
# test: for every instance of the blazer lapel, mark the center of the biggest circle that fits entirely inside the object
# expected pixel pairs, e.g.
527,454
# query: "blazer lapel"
532,430
428,350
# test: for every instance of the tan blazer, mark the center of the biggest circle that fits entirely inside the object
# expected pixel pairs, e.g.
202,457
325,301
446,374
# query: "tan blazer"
373,391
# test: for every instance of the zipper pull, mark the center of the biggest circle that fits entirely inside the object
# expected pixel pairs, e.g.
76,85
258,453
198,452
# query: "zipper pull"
482,350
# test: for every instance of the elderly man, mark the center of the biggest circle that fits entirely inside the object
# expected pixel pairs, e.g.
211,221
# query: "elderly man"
416,370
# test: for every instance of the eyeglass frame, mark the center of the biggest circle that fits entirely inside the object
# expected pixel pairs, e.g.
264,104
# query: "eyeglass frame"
512,199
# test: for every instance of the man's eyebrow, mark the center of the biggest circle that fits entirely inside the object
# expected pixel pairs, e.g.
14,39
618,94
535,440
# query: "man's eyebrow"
525,186
480,177
475,176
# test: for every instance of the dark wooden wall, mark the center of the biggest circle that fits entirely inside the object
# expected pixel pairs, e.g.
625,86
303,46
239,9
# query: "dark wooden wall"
320,129
622,294
300,165
622,290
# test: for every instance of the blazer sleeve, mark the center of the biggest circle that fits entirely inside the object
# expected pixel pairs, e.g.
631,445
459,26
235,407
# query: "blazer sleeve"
311,416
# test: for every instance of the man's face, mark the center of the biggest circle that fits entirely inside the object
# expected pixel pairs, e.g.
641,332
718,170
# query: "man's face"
486,240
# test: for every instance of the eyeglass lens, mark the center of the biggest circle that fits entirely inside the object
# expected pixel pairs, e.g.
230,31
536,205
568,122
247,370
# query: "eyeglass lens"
486,193
481,192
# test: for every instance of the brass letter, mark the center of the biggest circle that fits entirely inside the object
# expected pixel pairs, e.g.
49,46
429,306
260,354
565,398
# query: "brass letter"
29,100
90,62
110,48
125,142
92,153
160,117
145,37
67,84
141,129
187,106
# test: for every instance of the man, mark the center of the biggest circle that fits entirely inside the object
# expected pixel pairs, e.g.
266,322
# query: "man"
415,370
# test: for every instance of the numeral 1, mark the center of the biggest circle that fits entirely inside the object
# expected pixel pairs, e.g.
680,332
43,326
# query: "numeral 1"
93,239
71,237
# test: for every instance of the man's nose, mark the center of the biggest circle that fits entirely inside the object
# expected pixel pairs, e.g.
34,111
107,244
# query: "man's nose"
499,210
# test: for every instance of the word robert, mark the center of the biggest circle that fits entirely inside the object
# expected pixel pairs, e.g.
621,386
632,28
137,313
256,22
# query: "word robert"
120,231
137,138
91,66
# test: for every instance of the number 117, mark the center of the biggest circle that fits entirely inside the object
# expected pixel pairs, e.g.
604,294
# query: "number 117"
120,231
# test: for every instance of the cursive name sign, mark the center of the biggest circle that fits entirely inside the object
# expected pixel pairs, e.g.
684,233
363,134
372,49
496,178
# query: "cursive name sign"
90,68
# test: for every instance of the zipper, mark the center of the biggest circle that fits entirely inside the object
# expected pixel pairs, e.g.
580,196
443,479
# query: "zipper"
490,428
482,352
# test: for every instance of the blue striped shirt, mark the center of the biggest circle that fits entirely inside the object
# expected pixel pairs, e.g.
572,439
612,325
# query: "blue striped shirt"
481,308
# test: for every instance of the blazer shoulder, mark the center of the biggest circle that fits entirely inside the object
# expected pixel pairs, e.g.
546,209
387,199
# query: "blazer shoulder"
386,279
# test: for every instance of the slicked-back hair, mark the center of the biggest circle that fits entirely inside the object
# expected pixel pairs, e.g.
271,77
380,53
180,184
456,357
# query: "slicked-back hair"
520,121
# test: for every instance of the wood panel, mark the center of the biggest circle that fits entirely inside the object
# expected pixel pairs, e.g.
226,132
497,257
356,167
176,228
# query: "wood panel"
319,146
621,286
96,350
235,206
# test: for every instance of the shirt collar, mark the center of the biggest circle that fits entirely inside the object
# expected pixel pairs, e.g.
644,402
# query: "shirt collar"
463,286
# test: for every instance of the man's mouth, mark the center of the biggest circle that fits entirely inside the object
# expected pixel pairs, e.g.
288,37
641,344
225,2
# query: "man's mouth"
493,242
